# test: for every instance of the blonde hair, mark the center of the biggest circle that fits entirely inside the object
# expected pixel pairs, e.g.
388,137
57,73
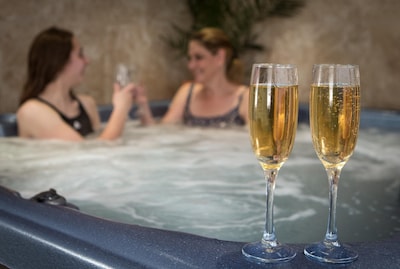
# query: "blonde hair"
214,39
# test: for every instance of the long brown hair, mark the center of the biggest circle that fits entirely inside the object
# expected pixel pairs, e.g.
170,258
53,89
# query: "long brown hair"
48,54
214,39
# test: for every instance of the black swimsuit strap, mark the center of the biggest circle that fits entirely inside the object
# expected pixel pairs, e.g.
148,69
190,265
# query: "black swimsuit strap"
189,97
81,123
73,97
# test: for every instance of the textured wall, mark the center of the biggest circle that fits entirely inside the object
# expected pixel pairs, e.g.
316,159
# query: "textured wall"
363,32
111,32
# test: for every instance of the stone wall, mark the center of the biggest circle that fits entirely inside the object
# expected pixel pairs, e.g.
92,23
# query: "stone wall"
363,32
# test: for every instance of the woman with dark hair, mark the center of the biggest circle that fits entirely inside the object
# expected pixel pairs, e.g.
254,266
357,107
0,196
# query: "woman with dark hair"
216,96
49,109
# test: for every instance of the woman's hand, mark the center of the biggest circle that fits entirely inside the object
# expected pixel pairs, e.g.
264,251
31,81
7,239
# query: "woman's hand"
140,95
123,97
144,111
122,101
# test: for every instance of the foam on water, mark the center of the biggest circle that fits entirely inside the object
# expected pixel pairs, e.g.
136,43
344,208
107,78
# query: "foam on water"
208,182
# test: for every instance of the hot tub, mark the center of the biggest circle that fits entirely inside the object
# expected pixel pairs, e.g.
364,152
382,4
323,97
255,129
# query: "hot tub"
47,235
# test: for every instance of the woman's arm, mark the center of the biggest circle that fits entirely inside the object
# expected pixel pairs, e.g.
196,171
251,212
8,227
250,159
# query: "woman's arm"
177,106
122,102
144,111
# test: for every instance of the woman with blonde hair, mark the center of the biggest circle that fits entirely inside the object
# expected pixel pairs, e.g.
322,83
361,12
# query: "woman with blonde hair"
215,97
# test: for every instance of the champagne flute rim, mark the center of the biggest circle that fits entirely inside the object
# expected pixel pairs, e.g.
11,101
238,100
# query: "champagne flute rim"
333,84
269,84
274,65
337,65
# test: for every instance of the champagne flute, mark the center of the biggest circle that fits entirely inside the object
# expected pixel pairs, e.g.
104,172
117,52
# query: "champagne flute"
334,121
273,110
123,75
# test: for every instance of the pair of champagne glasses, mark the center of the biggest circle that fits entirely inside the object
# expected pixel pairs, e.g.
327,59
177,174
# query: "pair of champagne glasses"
334,120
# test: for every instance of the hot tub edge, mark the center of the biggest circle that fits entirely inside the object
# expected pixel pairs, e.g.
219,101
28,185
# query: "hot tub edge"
36,235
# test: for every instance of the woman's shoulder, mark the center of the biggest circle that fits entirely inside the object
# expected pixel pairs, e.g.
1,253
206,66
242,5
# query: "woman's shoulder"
30,107
184,89
187,85
243,87
243,90
34,112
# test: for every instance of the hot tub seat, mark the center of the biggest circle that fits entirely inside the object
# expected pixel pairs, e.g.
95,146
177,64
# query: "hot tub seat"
8,125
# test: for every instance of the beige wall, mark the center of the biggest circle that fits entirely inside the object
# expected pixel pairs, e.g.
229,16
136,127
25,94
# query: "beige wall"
363,32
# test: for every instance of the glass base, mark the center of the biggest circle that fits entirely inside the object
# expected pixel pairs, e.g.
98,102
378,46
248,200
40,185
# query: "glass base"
330,252
260,252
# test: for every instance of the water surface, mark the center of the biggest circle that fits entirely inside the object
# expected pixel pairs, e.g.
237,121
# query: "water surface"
208,182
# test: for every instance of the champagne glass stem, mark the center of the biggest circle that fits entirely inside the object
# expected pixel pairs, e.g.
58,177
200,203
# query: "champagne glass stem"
269,232
333,178
330,250
268,249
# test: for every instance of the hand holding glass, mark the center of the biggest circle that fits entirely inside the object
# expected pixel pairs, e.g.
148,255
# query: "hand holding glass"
273,110
334,121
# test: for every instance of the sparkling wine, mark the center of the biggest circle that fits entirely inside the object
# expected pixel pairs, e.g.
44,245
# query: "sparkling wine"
273,123
334,120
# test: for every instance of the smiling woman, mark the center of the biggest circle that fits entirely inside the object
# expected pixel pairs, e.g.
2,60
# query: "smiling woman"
214,97
49,108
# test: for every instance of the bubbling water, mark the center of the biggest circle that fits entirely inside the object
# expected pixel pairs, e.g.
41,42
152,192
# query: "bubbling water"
208,182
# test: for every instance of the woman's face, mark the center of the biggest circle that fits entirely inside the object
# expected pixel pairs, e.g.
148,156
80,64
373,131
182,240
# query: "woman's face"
202,63
75,68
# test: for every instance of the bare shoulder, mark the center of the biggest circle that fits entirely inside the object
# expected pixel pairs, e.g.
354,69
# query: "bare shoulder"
244,89
186,86
176,108
33,116
183,91
244,92
30,108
